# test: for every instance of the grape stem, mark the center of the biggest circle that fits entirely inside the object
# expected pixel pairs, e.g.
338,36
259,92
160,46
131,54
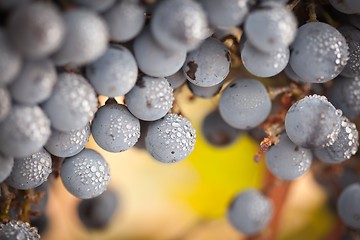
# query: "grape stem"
5,202
312,13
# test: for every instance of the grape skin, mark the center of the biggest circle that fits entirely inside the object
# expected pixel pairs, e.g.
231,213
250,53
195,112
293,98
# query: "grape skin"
250,211
85,175
352,36
114,73
205,92
287,161
6,166
244,103
114,128
348,206
312,122
18,230
177,80
5,103
207,65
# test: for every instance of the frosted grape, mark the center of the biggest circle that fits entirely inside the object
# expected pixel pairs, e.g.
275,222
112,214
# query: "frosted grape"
30,172
6,165
287,161
170,139
205,92
244,103
85,175
72,104
348,206
209,64
250,211
69,143
150,99
114,73
95,5
352,36
18,230
5,103
114,128
24,131
346,6
177,80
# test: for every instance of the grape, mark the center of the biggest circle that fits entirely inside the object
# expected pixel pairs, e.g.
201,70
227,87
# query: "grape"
217,132
225,14
345,145
354,19
313,122
348,206
30,172
114,128
179,25
352,36
319,52
96,213
177,80
69,143
287,161
40,222
250,211
154,60
72,104
271,28
12,4
85,175
170,139
144,126
346,6
95,5
271,63
5,103
18,230
10,60
244,103
114,73
125,20
36,29
344,94
24,131
35,82
205,92
293,76
86,39
209,64
150,99
6,165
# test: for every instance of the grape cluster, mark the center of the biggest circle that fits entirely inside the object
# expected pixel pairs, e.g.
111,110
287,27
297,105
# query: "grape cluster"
56,58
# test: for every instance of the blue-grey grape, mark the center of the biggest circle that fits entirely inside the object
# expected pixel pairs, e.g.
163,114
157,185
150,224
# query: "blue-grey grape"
40,222
69,143
18,230
35,82
24,132
10,60
144,126
85,175
348,206
345,145
86,39
114,128
313,122
179,25
209,64
72,104
150,99
225,14
114,73
177,80
154,60
354,19
344,94
30,172
170,139
263,64
352,36
125,20
5,103
217,132
250,211
288,161
271,28
346,6
96,5
319,52
6,165
36,29
96,213
205,92
244,103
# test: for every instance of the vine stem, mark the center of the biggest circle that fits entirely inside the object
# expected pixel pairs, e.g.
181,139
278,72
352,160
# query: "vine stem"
6,202
312,12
